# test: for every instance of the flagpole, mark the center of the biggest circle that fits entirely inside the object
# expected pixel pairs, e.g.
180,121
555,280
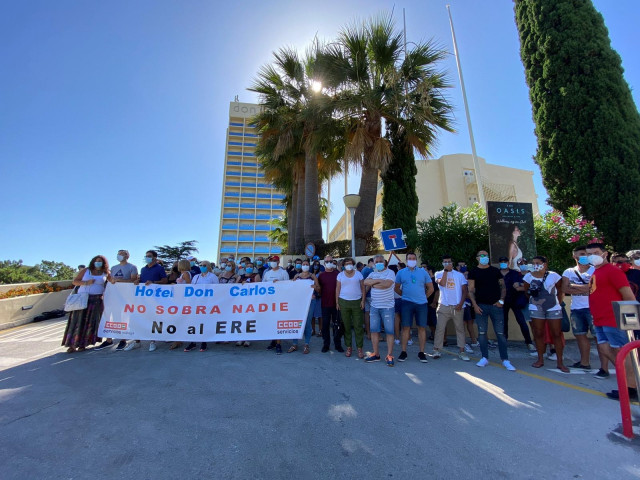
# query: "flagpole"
476,164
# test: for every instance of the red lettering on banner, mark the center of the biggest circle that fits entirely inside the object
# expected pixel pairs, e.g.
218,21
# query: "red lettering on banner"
284,307
250,309
128,308
201,309
186,310
159,310
263,307
237,309
214,309
172,310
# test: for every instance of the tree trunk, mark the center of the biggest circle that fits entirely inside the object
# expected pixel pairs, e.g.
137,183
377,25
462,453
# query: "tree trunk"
365,212
312,222
294,216
290,224
300,214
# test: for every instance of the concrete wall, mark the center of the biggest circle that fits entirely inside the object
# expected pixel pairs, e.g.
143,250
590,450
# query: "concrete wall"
12,314
12,286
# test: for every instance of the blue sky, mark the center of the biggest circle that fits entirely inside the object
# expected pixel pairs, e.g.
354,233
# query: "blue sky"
114,113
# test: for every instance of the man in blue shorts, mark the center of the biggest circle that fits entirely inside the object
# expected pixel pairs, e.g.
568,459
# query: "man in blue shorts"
381,282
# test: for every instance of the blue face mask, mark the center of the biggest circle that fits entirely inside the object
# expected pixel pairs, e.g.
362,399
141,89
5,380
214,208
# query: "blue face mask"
148,260
242,264
524,268
98,264
463,269
259,262
227,269
203,268
298,266
380,266
583,260
503,265
193,264
484,260
249,270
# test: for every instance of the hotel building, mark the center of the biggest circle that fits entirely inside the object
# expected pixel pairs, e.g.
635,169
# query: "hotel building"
249,202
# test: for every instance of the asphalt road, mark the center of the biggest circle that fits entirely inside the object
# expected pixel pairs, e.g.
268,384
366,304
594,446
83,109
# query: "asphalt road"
240,413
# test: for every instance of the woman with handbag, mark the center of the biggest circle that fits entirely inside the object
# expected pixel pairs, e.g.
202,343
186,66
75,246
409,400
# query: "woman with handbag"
82,326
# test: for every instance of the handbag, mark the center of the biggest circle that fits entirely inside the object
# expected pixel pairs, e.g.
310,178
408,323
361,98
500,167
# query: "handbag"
76,301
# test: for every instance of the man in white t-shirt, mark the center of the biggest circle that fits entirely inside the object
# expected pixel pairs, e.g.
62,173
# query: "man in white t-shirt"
453,293
381,282
275,274
575,281
123,272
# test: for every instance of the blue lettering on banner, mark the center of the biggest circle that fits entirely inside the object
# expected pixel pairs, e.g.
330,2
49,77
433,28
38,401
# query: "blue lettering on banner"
198,292
255,290
144,291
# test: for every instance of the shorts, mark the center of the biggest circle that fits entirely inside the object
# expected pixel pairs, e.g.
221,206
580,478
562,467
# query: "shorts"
379,315
398,305
541,314
615,337
411,310
367,304
582,321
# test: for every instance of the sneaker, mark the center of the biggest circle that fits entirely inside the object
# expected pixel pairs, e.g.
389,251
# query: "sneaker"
402,357
203,347
476,344
579,365
552,356
507,364
422,357
615,394
247,343
272,345
532,348
410,342
152,346
389,360
533,354
239,344
325,349
103,345
601,375
483,362
278,349
464,357
190,347
436,354
396,341
121,345
131,345
372,358
467,348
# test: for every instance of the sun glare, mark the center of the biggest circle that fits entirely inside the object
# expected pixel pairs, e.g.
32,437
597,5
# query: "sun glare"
316,86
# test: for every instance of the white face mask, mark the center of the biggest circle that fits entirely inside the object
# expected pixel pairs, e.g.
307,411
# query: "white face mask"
329,265
636,262
411,263
595,260
305,268
223,264
120,258
537,268
273,264
348,268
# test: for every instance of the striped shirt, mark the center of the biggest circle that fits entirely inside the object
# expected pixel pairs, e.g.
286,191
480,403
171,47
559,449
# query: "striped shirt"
383,297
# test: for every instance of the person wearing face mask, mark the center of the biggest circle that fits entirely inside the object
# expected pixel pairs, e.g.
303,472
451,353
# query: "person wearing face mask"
297,268
250,275
193,265
243,263
260,266
275,274
205,277
316,326
123,272
544,288
515,300
575,282
415,285
609,284
82,326
350,295
366,271
328,281
290,268
487,293
305,276
228,274
469,314
453,293
151,273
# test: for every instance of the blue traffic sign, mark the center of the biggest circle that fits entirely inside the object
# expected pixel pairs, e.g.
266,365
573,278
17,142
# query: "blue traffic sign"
393,239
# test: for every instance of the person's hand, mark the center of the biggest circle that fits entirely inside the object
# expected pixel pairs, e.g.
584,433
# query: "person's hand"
458,307
337,306
498,304
477,309
148,282
136,281
91,281
362,304
434,305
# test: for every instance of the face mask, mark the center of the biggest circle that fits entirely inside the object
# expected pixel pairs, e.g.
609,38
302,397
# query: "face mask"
148,260
328,265
625,267
411,263
273,264
316,267
348,268
249,270
503,265
120,258
259,263
305,268
636,262
98,264
524,268
288,264
484,260
595,260
298,266
446,264
193,264
538,268
463,269
203,268
223,264
379,266
227,269
583,260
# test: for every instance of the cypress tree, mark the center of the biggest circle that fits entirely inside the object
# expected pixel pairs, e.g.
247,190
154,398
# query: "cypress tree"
399,199
586,122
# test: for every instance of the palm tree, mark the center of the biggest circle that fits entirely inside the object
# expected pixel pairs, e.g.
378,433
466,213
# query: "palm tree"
372,81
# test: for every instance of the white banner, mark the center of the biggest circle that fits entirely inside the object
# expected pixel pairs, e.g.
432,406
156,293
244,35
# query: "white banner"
197,313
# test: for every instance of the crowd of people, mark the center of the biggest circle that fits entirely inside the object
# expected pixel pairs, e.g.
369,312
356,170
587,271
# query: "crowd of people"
383,302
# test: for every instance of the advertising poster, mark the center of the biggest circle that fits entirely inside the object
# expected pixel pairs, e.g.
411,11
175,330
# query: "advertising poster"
511,232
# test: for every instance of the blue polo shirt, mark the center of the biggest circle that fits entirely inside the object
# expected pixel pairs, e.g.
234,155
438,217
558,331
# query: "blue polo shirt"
155,273
413,284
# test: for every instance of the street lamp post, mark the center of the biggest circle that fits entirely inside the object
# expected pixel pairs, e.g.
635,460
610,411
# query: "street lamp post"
352,201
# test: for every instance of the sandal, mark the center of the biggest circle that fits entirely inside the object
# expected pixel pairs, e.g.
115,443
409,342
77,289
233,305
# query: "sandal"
537,365
349,350
81,349
563,369
71,350
360,353
292,348
175,345
306,349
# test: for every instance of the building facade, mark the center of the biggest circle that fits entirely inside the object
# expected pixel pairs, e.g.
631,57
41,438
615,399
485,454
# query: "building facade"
452,178
249,202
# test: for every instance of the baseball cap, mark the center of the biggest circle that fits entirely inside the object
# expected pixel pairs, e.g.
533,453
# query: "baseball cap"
275,258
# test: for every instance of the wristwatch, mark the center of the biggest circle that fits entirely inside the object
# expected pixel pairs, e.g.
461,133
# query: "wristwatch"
501,302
